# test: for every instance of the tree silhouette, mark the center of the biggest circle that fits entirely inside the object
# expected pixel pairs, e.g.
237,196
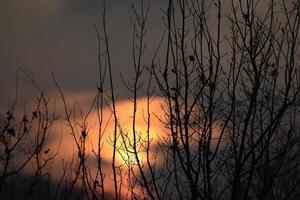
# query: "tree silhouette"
228,74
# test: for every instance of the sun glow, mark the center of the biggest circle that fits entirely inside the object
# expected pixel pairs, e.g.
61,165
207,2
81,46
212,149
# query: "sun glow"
131,149
144,136
127,154
125,139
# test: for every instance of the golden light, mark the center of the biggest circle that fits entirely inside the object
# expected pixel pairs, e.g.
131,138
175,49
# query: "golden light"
125,143
145,137
124,158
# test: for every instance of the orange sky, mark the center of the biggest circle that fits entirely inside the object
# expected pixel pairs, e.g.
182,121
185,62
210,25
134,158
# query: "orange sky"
67,147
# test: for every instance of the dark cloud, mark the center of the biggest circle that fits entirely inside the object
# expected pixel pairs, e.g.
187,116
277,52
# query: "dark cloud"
58,36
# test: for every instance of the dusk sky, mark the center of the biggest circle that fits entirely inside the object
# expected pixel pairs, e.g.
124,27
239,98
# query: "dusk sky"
221,122
58,36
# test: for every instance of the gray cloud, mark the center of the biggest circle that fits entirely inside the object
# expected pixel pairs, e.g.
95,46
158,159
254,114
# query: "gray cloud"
58,36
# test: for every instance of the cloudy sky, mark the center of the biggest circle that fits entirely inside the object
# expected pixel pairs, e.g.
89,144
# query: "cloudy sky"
58,36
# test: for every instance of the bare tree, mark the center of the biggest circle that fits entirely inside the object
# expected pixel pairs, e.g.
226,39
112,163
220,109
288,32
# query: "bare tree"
23,146
232,97
229,76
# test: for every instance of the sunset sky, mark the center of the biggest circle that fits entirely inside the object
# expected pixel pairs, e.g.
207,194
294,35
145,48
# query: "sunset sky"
58,36
225,85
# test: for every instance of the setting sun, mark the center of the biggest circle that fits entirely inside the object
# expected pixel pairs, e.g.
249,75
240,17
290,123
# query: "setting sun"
149,100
